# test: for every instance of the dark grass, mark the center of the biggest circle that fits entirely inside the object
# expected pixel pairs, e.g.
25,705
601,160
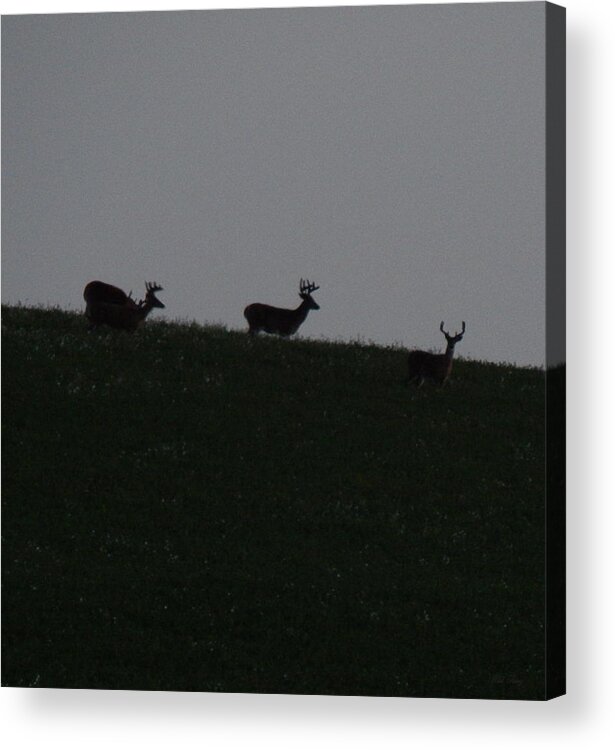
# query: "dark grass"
187,508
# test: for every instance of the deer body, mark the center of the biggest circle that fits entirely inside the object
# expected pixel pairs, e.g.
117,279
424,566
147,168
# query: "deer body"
108,305
279,320
435,367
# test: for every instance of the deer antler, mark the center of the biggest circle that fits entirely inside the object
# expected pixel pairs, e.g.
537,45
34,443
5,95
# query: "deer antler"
305,287
448,336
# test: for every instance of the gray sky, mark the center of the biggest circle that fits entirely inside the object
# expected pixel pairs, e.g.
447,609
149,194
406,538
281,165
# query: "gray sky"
394,155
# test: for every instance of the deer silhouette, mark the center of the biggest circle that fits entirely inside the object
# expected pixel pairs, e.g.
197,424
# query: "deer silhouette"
435,367
279,320
108,305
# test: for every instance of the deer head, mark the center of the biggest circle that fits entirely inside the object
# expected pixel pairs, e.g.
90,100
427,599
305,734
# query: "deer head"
452,340
305,292
151,300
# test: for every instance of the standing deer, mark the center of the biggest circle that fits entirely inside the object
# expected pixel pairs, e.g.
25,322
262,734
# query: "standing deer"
279,320
435,367
108,305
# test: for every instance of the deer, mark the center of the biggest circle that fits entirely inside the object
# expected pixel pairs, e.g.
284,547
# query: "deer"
108,305
279,320
434,367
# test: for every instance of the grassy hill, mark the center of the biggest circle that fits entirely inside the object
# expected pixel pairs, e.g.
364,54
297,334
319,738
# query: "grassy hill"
187,508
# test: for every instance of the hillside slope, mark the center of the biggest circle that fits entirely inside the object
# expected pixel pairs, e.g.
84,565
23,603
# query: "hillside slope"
187,508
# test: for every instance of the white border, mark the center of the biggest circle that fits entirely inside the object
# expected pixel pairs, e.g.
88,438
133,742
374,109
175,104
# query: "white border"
77,719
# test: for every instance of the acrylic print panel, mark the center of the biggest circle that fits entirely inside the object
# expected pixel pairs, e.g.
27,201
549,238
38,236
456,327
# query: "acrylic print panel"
357,490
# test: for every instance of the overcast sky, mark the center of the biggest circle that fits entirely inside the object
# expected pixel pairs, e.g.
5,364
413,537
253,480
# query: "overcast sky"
394,155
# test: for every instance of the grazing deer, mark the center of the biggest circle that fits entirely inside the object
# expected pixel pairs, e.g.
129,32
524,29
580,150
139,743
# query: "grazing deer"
435,367
279,320
108,305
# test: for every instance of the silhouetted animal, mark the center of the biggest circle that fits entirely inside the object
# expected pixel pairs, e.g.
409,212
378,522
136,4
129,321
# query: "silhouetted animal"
279,320
435,367
109,305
